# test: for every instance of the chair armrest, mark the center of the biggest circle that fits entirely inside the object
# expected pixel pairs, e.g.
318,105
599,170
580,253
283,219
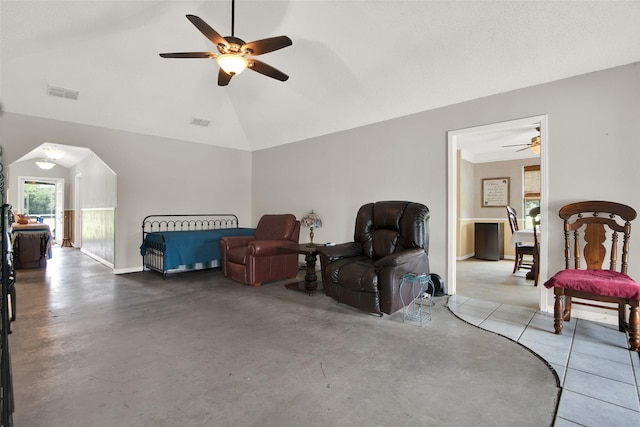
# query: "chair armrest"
343,250
400,258
259,248
390,270
230,242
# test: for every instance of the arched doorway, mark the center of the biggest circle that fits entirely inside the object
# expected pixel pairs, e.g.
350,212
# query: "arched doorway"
92,205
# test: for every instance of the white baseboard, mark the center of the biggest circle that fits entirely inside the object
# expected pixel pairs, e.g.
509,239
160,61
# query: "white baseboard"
97,258
127,270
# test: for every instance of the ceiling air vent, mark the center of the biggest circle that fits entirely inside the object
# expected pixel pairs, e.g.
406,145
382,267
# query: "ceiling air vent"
200,122
63,92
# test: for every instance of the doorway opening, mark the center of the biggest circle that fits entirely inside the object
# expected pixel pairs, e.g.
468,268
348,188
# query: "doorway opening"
87,185
454,161
43,198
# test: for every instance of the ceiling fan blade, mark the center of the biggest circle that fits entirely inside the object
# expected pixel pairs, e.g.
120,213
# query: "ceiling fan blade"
189,55
515,145
209,32
223,78
259,47
523,149
267,70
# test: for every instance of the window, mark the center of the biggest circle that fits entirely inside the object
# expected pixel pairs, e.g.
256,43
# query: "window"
40,201
530,191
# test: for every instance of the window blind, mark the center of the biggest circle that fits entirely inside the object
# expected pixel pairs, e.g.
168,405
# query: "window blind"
531,182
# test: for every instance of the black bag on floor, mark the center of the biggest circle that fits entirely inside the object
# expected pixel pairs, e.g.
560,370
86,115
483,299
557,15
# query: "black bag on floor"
438,285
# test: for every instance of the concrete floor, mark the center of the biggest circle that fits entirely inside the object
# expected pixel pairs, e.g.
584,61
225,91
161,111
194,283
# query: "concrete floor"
494,281
90,348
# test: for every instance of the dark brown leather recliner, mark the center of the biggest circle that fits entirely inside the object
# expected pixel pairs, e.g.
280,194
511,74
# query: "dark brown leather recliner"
256,259
391,239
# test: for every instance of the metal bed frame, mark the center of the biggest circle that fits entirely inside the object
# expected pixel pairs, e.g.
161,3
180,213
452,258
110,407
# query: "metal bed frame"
153,259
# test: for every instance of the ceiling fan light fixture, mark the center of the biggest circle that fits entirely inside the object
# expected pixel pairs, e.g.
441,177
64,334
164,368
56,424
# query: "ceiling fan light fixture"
45,164
232,64
54,153
535,145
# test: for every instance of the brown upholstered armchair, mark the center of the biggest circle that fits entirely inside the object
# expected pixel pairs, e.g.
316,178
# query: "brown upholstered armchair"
391,239
256,259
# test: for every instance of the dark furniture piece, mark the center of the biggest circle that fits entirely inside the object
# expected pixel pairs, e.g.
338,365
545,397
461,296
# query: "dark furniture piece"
7,315
31,245
310,252
534,213
69,223
256,258
186,242
391,239
588,226
489,240
521,249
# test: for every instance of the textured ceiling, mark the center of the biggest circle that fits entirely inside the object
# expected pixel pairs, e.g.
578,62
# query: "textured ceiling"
352,62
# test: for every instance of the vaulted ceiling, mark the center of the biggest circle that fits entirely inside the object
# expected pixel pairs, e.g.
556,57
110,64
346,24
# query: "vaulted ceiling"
351,63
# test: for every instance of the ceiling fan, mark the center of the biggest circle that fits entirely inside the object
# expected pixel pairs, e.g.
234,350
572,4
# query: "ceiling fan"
534,145
234,54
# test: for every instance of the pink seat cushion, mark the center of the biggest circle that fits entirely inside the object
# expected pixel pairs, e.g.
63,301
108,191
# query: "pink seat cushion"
601,282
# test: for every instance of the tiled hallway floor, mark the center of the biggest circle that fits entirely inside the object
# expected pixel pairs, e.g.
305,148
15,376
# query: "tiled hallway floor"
600,378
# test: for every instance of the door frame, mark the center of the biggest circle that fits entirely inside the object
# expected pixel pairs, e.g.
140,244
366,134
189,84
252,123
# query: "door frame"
452,196
77,207
59,183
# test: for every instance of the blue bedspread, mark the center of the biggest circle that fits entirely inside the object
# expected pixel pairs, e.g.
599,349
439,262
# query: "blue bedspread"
191,247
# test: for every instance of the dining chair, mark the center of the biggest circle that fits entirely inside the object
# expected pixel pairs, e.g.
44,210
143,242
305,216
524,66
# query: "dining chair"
521,249
534,213
588,227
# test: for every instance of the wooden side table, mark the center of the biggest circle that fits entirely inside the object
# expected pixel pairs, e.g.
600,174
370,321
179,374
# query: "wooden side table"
310,252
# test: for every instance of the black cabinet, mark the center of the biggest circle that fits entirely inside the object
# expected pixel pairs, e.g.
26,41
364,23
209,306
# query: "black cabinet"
489,240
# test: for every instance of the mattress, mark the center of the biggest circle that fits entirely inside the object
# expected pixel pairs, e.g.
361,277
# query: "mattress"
190,247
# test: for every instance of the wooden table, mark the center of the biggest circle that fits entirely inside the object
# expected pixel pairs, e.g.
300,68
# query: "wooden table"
310,252
522,236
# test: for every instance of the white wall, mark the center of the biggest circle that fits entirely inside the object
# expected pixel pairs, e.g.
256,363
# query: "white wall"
98,203
99,184
592,147
467,190
336,174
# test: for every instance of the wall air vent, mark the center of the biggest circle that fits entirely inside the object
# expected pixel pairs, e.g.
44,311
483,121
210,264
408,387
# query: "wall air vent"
63,92
200,122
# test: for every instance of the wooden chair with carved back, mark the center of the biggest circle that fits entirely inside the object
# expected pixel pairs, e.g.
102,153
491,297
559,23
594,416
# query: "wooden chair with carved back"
597,231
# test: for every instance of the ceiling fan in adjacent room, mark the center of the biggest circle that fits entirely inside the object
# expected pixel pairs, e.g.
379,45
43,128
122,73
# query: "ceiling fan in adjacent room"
534,145
234,54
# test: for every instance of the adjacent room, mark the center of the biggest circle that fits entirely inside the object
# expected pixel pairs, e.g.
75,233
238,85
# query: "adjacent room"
297,123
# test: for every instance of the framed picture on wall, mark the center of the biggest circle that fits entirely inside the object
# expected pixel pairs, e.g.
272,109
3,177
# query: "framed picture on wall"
495,192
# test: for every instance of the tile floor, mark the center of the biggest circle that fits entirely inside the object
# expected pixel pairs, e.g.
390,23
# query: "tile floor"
600,378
